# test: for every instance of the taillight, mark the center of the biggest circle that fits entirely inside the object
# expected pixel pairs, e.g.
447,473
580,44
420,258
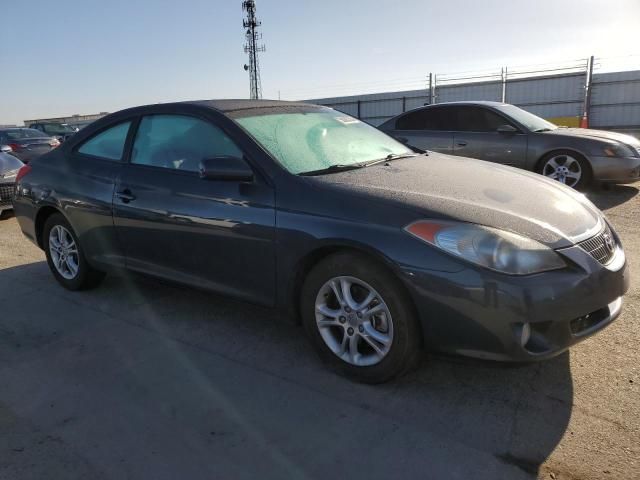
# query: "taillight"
15,147
22,172
54,143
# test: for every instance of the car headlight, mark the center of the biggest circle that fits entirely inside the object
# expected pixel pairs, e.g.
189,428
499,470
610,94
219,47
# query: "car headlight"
10,174
618,150
488,247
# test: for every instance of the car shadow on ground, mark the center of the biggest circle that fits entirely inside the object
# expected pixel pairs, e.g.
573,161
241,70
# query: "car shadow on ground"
517,414
6,215
612,195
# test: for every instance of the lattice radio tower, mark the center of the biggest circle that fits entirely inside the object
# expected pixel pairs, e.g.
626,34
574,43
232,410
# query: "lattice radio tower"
251,25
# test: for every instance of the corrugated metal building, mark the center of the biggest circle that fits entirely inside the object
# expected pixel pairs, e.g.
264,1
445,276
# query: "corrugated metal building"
615,100
73,120
614,104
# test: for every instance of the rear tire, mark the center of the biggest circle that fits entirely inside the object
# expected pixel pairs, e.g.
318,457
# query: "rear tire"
367,347
65,257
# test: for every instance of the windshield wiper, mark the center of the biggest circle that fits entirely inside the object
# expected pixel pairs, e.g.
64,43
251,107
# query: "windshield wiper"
341,167
388,158
333,168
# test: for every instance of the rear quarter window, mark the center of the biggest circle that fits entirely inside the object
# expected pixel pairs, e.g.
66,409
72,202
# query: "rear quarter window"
108,144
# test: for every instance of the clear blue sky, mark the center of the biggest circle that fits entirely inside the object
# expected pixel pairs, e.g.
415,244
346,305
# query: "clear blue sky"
86,56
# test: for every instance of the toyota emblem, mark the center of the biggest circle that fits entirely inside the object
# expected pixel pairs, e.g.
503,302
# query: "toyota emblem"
608,242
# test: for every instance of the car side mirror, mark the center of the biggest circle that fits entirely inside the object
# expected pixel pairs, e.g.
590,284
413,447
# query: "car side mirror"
507,129
225,167
5,149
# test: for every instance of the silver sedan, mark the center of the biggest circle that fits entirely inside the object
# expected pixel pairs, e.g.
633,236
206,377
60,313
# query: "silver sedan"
9,166
506,134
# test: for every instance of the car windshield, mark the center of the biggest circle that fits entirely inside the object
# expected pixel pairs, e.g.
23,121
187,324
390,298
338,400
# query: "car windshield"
22,133
319,139
529,120
58,128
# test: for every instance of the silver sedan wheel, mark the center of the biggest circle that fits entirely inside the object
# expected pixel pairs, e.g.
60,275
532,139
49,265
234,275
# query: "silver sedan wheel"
354,321
563,168
64,252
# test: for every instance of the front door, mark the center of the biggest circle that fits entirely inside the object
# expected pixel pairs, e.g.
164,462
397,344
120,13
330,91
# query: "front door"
176,225
477,136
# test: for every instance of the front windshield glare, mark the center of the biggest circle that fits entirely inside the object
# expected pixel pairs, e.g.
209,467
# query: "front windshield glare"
529,120
310,141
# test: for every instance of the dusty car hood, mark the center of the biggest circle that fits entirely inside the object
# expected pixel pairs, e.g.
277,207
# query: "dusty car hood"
442,186
598,134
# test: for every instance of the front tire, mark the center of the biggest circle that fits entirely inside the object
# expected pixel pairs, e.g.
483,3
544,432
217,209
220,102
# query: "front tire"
65,257
567,167
360,319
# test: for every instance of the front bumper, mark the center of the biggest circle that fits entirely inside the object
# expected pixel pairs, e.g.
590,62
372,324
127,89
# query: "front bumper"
483,314
616,170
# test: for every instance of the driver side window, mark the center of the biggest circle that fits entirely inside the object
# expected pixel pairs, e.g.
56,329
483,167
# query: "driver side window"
179,142
478,119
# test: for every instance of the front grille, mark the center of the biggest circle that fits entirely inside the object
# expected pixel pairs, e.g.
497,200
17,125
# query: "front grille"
6,194
602,247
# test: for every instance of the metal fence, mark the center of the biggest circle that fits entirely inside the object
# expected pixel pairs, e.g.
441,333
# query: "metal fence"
562,93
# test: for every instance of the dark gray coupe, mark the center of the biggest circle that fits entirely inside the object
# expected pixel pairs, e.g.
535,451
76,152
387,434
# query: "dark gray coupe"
506,134
380,251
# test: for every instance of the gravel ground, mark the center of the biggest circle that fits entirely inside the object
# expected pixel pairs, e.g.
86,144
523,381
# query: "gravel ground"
142,380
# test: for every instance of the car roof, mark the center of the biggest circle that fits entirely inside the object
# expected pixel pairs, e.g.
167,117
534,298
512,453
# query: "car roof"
232,105
227,107
470,102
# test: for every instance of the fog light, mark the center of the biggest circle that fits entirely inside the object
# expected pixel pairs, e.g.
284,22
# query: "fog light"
525,334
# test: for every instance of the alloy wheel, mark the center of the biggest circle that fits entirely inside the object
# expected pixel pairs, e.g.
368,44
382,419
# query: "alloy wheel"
354,321
563,168
64,252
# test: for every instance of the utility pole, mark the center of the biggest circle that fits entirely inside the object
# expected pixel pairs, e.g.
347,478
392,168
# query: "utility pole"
584,121
432,88
251,24
503,79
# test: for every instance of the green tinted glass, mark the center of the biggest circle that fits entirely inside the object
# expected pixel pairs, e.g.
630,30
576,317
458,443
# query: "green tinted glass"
108,144
304,142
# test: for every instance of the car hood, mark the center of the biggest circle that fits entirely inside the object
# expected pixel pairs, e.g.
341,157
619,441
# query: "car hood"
597,134
454,188
8,163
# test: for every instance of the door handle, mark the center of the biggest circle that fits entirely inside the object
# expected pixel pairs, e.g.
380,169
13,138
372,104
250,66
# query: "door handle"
125,195
462,144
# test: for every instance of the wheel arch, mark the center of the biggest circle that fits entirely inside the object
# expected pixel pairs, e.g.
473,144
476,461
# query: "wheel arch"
41,218
319,253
